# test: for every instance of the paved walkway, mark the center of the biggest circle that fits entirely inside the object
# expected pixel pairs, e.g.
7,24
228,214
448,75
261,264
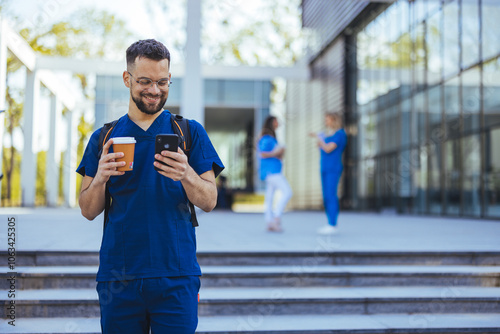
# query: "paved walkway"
66,229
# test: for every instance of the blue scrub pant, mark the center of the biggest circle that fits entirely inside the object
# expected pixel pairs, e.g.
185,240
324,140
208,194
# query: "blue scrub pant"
329,183
164,304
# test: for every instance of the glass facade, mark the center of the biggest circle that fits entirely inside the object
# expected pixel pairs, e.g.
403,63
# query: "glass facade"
427,109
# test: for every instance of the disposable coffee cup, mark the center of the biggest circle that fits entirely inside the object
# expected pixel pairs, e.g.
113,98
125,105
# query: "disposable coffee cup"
127,146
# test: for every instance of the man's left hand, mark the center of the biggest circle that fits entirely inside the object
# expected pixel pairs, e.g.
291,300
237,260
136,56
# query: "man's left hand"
177,162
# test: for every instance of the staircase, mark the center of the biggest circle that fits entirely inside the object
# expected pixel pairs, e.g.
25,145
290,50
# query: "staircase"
288,292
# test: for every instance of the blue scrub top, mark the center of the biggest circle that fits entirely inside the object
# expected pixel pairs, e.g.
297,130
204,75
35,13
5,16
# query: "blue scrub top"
268,166
332,162
149,231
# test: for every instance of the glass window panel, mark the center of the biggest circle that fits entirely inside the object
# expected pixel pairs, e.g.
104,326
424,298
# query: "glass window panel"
491,92
175,92
366,179
380,143
434,187
421,114
404,171
471,148
419,158
211,91
470,32
471,99
435,130
451,61
492,185
378,182
391,182
406,123
491,27
238,92
367,135
433,39
393,14
265,95
419,11
452,177
419,56
393,129
452,107
433,6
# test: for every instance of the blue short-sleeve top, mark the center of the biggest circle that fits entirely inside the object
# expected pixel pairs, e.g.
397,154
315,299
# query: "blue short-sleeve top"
149,231
332,162
272,165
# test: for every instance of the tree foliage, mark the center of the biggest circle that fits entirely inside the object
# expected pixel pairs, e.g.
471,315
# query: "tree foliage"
85,34
265,33
239,32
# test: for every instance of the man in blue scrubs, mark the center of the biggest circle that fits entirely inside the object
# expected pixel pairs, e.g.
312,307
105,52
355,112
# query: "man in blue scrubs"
148,275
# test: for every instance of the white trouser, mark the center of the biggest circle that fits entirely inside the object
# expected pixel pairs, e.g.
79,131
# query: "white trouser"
276,182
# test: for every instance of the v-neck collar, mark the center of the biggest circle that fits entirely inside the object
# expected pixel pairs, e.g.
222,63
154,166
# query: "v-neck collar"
153,128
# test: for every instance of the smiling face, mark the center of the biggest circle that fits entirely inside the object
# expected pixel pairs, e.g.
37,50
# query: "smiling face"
149,99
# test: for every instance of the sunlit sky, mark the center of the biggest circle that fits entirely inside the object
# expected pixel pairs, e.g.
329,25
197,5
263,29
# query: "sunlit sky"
133,12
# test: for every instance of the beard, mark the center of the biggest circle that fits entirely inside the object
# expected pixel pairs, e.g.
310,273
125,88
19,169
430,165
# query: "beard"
148,108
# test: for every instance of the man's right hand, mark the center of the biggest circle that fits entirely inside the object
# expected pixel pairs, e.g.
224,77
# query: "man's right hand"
108,164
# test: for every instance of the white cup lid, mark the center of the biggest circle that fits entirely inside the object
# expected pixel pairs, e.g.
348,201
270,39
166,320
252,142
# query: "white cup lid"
123,140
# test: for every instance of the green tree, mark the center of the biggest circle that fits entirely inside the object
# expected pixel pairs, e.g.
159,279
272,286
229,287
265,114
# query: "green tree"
260,33
84,130
86,34
269,33
41,189
14,197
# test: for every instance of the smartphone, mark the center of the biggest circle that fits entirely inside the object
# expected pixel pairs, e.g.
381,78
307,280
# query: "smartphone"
164,142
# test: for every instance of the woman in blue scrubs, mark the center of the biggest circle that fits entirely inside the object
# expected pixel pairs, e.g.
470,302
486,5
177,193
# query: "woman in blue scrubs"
271,154
331,143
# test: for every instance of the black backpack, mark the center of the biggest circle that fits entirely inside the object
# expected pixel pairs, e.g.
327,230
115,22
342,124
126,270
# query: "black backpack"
180,125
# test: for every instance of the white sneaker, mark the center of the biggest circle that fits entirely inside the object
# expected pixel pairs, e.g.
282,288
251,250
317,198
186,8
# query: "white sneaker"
328,229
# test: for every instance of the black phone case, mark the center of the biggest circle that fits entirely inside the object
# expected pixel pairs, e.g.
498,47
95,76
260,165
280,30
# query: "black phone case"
169,142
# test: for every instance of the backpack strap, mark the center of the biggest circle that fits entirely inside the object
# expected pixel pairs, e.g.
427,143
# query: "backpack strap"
103,139
180,125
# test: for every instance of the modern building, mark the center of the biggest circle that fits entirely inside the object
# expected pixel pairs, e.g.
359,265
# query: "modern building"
418,83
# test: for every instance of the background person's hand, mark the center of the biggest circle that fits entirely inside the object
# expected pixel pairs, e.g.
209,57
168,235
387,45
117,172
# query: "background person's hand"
107,164
313,134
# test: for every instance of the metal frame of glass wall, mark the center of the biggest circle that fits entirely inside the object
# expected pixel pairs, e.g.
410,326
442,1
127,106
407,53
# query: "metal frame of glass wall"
427,109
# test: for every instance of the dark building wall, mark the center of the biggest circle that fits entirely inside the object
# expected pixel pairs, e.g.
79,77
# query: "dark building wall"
329,18
418,90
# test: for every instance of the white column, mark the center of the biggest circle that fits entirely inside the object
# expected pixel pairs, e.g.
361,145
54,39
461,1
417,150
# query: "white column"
70,162
28,161
3,88
52,172
192,105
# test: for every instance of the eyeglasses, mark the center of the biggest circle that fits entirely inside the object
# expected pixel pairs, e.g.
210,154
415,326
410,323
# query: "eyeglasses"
146,83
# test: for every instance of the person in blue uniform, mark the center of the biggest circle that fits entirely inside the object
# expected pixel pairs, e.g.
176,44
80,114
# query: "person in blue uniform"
331,144
271,155
148,277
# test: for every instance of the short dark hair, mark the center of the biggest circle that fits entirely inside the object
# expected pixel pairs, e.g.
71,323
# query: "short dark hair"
147,48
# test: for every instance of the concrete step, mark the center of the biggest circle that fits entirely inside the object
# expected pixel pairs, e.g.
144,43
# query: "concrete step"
308,324
52,277
59,258
281,301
